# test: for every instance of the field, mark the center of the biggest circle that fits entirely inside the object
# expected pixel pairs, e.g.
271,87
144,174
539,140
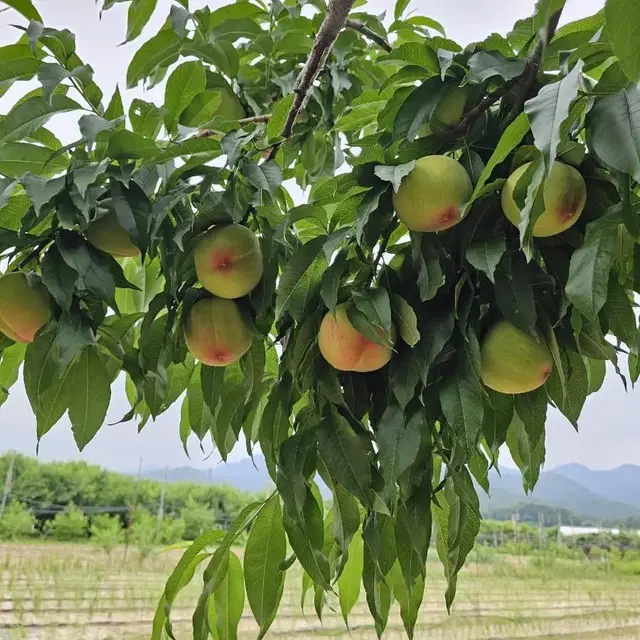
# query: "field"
59,592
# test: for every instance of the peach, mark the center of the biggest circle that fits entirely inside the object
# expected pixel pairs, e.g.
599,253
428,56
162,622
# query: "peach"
564,194
345,348
229,261
216,333
430,197
108,235
24,309
512,361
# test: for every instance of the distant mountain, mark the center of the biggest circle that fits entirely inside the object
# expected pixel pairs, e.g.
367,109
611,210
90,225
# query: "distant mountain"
556,490
592,496
621,484
245,475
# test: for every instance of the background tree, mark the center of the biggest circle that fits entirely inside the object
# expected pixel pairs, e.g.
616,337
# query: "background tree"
70,524
476,262
106,531
16,522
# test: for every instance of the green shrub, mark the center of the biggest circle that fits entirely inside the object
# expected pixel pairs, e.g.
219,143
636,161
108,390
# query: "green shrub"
70,524
17,522
172,530
106,531
142,532
198,518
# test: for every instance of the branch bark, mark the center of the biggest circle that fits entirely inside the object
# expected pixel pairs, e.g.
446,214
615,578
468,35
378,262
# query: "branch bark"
333,23
526,80
356,25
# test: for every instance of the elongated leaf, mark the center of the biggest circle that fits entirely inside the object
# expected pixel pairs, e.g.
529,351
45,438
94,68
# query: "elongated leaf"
514,293
26,8
264,554
623,18
406,320
183,85
351,578
16,158
139,14
498,412
161,50
32,114
619,313
484,65
90,399
342,452
228,602
577,387
486,255
591,263
549,110
300,278
528,456
614,128
12,359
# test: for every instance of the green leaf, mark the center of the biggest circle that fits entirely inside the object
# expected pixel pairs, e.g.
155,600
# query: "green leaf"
461,395
484,65
577,386
376,307
146,118
526,453
618,311
300,278
398,444
623,18
159,51
140,12
498,412
126,144
399,8
351,578
115,109
183,85
394,174
25,7
30,115
613,126
41,191
91,125
344,455
514,293
74,333
266,176
549,111
509,140
11,360
418,108
263,556
406,320
228,601
486,255
279,116
590,265
90,399
202,109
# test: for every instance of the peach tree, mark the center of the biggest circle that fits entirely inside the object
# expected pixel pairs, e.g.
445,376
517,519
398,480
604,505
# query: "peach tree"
464,256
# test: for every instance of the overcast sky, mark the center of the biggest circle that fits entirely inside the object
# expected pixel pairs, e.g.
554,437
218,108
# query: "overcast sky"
609,434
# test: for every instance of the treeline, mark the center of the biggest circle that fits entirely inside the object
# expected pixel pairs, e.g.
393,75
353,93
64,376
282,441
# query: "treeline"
46,490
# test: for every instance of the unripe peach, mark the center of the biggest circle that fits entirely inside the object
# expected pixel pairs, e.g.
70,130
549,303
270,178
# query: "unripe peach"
512,361
229,261
23,309
108,235
564,195
430,197
216,333
345,348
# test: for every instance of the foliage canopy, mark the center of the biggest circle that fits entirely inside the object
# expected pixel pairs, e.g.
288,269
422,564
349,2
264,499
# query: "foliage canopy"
320,87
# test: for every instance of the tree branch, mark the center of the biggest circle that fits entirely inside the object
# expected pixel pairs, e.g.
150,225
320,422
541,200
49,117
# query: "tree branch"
526,79
207,133
356,25
331,27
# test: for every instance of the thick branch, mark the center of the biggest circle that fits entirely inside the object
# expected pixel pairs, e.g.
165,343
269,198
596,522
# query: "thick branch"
356,25
526,80
331,27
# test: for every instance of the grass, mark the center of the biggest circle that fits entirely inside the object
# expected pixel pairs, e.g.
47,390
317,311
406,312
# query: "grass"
60,592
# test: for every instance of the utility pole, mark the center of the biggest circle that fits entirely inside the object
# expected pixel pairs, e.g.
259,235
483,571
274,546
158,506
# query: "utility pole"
160,517
559,535
541,528
7,484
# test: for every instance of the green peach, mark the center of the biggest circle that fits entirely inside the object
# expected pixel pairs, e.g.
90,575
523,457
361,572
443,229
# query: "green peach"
108,235
512,361
216,333
430,197
564,195
228,261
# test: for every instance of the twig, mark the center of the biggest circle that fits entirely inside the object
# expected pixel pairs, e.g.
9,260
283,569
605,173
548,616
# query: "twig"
333,23
207,133
356,25
527,79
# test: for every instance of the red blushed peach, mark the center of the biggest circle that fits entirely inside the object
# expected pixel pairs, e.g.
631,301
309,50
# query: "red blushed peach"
23,309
